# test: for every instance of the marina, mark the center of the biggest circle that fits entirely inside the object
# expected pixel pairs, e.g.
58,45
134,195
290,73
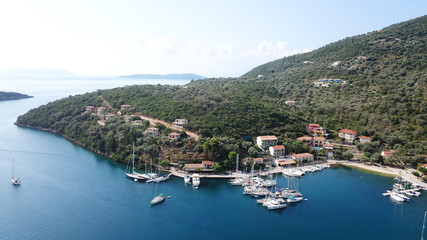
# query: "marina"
55,187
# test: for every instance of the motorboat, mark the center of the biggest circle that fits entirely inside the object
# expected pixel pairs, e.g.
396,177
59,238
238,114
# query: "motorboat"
196,180
158,199
187,179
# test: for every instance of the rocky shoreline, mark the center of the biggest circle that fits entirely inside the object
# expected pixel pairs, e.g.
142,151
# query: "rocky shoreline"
66,137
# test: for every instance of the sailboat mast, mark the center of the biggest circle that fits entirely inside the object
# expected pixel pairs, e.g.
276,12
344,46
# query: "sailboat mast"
424,226
133,159
237,163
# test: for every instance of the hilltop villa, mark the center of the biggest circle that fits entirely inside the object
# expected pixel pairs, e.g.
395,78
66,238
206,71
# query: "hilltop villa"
266,141
277,151
348,135
181,123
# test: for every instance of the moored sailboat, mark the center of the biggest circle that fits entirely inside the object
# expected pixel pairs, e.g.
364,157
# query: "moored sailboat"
132,174
15,181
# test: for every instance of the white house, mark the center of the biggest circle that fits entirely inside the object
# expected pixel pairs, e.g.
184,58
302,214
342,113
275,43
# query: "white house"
124,107
303,157
266,141
153,131
290,103
277,151
101,110
348,135
318,141
181,123
364,139
174,135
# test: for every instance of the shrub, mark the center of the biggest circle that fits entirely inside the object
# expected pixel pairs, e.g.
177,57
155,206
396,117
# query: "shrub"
416,174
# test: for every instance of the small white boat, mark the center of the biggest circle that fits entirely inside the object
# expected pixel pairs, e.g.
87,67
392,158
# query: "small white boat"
187,179
196,180
237,181
294,199
413,193
13,180
395,197
158,199
159,179
275,204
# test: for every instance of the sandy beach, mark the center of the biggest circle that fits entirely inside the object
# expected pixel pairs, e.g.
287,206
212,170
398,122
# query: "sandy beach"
385,170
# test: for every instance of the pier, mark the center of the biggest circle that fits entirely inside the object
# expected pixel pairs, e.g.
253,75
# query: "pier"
182,174
405,191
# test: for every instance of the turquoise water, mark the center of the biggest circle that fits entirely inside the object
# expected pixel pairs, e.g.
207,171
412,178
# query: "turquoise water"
70,193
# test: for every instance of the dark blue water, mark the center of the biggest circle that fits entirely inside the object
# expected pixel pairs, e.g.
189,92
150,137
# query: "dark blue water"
70,193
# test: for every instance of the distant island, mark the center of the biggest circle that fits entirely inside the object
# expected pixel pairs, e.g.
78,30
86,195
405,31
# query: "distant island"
167,76
4,96
35,73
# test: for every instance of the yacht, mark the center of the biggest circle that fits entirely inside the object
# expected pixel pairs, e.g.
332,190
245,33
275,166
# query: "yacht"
196,180
187,179
395,197
158,199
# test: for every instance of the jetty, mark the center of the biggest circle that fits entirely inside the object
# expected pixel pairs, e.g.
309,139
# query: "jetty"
182,174
405,191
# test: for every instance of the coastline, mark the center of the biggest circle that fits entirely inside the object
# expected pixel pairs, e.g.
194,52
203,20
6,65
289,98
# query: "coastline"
66,137
385,171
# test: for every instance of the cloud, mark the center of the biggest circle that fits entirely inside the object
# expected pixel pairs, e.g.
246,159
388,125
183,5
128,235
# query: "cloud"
136,40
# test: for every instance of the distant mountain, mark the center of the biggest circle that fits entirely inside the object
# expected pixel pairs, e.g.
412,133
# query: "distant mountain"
35,73
167,76
4,96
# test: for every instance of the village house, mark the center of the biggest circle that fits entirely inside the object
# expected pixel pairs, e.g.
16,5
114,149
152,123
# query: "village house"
290,103
387,154
347,134
329,148
109,116
124,107
208,164
245,161
266,141
277,151
193,167
315,129
318,141
286,163
137,122
205,166
90,109
153,131
364,139
306,139
101,110
303,157
181,123
174,135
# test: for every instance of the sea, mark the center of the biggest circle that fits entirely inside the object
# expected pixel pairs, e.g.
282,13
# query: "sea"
68,192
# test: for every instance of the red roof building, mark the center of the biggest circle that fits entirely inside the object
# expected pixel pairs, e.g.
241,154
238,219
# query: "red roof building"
347,134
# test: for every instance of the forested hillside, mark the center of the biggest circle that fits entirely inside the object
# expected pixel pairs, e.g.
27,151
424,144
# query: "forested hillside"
381,93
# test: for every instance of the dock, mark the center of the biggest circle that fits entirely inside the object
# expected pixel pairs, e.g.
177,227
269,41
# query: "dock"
405,191
182,174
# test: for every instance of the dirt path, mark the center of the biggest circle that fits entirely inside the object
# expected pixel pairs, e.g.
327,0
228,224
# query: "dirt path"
153,122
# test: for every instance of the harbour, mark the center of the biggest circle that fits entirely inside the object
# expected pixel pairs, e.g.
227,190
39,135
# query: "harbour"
68,192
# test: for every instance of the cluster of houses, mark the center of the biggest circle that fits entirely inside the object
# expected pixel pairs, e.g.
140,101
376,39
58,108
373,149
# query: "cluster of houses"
269,144
324,82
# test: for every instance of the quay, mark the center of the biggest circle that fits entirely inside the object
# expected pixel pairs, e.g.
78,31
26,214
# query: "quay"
182,174
405,191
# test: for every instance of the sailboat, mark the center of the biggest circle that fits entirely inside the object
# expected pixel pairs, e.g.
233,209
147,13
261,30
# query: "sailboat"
160,178
161,197
132,174
15,181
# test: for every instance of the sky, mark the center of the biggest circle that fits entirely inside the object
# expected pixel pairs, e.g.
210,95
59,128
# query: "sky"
213,38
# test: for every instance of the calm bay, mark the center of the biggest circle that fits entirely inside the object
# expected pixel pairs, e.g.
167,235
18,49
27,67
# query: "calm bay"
68,192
